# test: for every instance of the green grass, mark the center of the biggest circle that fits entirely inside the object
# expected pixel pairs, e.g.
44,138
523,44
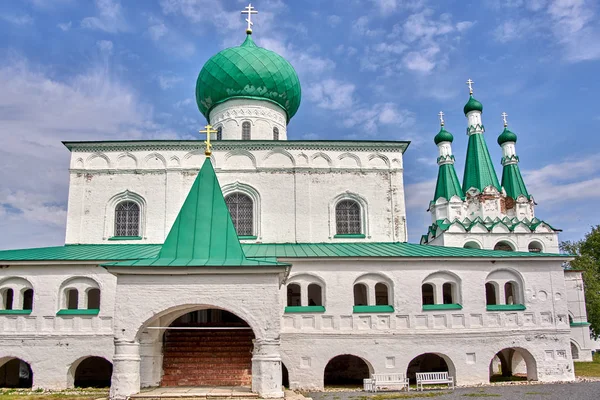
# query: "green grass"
71,394
481,394
588,369
393,396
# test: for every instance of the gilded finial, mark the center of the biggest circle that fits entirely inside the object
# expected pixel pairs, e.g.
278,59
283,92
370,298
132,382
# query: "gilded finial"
249,10
441,115
208,130
504,115
470,84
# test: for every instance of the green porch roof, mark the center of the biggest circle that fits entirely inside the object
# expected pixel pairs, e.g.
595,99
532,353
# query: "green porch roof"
259,252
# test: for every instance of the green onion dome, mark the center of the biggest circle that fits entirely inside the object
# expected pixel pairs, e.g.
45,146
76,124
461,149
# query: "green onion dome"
443,136
248,72
472,105
506,136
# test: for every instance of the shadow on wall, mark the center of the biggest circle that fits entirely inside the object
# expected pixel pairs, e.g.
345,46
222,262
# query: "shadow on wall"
16,373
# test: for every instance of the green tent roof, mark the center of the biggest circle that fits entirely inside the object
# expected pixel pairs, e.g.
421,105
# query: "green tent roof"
447,184
479,170
248,72
262,252
513,182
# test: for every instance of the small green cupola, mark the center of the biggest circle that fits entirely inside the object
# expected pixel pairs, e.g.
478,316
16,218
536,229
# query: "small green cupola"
443,136
447,185
512,180
472,105
507,136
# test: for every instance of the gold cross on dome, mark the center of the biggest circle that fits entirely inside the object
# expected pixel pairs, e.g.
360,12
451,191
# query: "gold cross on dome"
504,115
249,10
470,84
208,130
441,114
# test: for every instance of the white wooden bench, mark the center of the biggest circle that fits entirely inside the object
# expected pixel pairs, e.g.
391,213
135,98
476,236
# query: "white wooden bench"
434,378
389,381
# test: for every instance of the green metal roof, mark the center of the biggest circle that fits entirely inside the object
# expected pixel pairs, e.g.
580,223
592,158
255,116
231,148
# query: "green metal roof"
447,183
513,182
507,136
479,170
248,72
472,105
264,251
203,233
443,136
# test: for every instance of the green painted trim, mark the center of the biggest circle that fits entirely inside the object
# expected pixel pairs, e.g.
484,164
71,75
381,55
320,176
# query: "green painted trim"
437,307
304,309
505,307
91,311
125,238
349,236
15,312
373,309
247,237
576,324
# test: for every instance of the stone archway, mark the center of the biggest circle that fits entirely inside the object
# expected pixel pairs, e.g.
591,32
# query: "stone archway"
93,372
15,373
346,369
430,362
513,364
208,347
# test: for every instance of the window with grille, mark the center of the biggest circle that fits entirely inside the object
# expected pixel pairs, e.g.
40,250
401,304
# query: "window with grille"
246,131
275,133
241,209
347,217
127,219
220,133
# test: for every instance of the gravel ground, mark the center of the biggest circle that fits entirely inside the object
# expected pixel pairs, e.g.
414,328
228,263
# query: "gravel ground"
562,391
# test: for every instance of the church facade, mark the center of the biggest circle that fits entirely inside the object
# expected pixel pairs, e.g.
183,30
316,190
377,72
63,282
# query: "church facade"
254,260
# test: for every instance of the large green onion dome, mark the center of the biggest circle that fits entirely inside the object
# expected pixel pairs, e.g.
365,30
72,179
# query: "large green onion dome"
506,136
443,136
248,72
472,105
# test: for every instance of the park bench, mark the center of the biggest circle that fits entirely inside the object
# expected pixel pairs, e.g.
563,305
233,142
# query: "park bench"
434,378
388,381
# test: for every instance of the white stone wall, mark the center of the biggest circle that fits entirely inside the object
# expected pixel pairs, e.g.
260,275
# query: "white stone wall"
519,240
288,180
580,333
262,115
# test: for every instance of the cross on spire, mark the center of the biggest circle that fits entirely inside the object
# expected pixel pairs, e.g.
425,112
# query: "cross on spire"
470,84
208,130
504,115
249,10
441,114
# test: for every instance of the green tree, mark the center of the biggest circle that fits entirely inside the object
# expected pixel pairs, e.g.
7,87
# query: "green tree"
587,252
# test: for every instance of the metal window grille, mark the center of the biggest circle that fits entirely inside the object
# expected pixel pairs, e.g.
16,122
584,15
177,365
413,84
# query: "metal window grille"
246,131
127,219
275,133
347,217
241,209
220,133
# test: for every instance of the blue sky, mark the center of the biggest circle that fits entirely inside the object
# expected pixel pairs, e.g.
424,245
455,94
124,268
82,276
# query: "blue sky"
378,69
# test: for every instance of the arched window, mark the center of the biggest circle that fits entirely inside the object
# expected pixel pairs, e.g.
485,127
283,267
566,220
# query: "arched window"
472,245
127,219
220,133
427,294
293,295
361,297
8,298
535,247
315,296
348,218
490,294
503,246
246,131
93,299
508,289
509,293
448,293
28,299
275,133
241,209
72,299
382,297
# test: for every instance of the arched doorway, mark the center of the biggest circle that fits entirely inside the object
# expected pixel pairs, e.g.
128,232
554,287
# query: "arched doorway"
513,364
574,351
429,362
285,377
207,348
346,370
15,373
93,372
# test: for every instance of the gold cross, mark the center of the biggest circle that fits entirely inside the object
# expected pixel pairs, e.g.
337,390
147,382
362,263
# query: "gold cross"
208,130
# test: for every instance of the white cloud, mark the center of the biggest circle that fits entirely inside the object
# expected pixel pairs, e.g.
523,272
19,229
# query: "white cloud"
65,26
105,46
168,81
367,119
17,19
110,17
169,40
423,60
331,94
334,20
361,26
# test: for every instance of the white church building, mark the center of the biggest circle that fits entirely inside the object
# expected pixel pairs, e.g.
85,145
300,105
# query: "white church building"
254,260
